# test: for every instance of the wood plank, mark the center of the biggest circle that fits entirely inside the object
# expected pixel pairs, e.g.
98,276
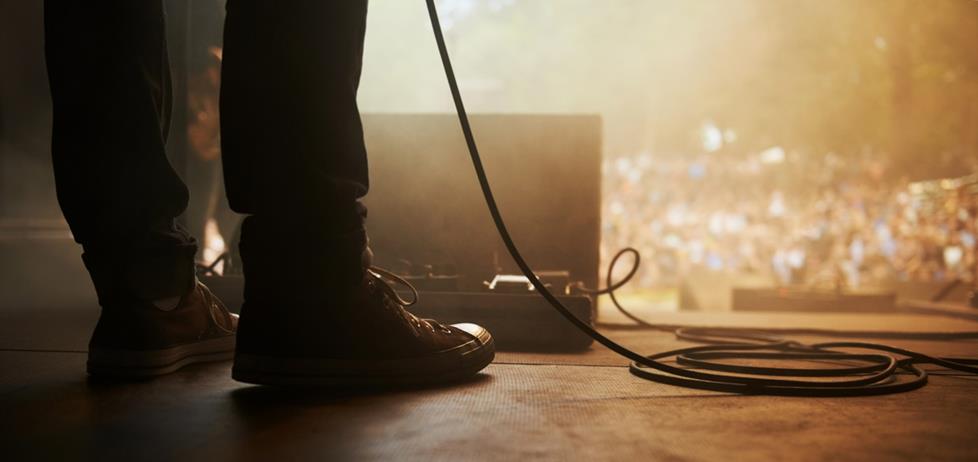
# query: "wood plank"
512,412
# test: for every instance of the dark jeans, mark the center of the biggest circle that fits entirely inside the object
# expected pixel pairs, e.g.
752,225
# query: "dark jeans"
292,142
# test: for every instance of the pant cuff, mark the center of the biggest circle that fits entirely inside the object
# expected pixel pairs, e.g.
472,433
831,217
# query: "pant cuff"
161,273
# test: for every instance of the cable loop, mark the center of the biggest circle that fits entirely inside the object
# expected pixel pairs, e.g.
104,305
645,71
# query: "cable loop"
611,287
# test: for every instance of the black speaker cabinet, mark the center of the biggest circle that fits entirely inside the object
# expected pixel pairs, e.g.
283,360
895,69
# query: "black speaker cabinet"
426,208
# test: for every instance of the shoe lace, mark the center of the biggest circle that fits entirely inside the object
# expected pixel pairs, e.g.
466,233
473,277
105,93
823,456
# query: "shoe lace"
379,275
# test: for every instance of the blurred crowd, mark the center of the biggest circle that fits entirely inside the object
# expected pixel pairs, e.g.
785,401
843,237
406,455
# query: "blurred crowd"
828,222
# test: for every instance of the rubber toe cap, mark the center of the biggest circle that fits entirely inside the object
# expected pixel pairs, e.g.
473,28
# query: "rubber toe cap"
476,331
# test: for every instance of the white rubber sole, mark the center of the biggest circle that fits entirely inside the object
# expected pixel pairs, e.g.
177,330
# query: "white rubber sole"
151,363
444,366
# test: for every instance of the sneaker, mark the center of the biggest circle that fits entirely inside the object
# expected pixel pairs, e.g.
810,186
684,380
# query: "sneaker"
147,339
363,337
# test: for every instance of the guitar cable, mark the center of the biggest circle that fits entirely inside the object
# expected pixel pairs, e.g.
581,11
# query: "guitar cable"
878,371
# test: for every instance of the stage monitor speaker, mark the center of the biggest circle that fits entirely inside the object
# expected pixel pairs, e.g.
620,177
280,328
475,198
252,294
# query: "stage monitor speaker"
808,300
426,208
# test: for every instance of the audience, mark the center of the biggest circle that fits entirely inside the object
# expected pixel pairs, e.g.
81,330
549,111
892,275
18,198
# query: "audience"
831,222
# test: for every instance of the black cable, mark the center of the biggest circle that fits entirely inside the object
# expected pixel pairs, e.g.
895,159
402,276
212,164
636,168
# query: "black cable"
875,375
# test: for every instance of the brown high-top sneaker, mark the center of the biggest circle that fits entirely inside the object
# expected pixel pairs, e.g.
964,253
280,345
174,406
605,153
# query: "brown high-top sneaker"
325,316
363,336
144,338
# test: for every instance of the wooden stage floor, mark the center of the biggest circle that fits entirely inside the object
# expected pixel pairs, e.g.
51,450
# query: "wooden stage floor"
524,406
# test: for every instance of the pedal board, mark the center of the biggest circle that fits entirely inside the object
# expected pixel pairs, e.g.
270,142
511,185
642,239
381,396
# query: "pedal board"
517,321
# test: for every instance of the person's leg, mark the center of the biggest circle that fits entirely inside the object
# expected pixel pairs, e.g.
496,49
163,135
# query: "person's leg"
291,138
295,162
110,88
